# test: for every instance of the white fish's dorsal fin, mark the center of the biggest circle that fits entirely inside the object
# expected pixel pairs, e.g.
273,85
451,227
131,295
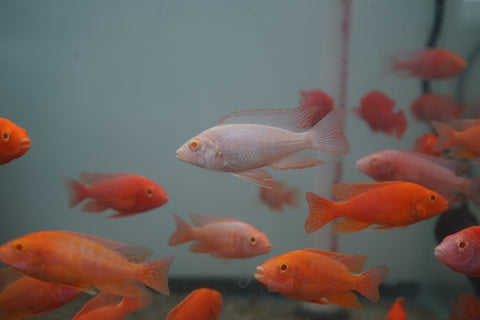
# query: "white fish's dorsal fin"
9,276
293,119
103,299
353,262
93,177
463,124
200,221
131,251
455,166
345,191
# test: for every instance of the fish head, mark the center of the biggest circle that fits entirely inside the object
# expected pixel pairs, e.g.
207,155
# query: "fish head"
377,166
14,140
151,195
23,255
280,274
254,243
431,204
198,150
458,251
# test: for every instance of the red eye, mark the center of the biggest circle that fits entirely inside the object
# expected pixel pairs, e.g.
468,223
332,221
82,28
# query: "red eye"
194,144
6,135
461,244
149,192
18,247
253,240
283,267
433,198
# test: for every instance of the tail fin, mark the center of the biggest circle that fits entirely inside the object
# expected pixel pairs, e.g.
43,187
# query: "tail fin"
473,190
327,134
76,192
370,280
400,124
155,274
292,197
445,136
322,211
182,234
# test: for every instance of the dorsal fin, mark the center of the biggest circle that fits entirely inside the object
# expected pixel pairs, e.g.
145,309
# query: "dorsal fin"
9,276
93,177
353,262
103,299
346,191
131,251
293,119
200,221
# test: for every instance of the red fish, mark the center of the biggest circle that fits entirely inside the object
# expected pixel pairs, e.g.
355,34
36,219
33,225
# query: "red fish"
276,196
377,110
14,141
466,137
431,106
22,296
424,144
224,238
85,262
319,99
430,64
201,304
397,312
388,204
126,193
459,251
466,308
321,277
106,306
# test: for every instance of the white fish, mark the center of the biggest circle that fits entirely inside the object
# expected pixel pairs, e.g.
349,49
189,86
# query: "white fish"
245,141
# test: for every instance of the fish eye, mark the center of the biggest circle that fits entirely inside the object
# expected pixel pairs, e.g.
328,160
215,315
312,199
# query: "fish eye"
461,244
432,198
6,135
149,192
374,161
253,240
194,144
18,247
283,267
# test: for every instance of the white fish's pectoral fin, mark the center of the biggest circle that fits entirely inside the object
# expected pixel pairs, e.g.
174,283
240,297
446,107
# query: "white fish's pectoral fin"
295,162
258,176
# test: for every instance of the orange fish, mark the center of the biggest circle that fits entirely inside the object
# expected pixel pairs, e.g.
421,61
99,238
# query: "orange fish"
85,262
126,193
424,144
224,238
466,308
465,133
377,110
106,306
431,106
277,196
430,64
22,296
397,312
201,304
14,141
388,204
321,277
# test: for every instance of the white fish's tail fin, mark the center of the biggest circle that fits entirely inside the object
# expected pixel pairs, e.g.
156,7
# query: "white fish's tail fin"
445,136
182,234
473,190
76,192
155,274
322,211
327,134
370,280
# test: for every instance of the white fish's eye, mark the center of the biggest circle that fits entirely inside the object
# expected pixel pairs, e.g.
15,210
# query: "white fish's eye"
194,144
253,240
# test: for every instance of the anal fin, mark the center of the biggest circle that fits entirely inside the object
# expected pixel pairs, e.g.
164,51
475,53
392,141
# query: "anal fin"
348,299
349,225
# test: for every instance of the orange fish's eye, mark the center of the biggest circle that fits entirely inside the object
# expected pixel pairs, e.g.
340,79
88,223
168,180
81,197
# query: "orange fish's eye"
461,244
432,198
6,135
253,240
149,192
194,144
18,247
283,267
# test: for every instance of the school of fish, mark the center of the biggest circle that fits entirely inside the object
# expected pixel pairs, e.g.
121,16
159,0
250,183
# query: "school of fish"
47,269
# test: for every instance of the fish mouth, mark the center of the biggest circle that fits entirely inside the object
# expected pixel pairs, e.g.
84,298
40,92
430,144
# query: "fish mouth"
180,156
25,144
260,273
439,253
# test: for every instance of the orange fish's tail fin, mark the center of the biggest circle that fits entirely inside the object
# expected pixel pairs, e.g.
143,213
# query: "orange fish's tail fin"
370,280
400,124
327,134
292,197
445,136
76,192
322,211
155,274
473,190
182,234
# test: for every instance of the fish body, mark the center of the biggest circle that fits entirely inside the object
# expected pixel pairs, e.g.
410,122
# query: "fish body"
388,204
467,138
377,110
245,141
467,307
277,196
397,311
14,141
106,306
430,63
459,251
431,106
424,144
22,296
321,277
224,238
201,304
434,173
126,193
85,262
